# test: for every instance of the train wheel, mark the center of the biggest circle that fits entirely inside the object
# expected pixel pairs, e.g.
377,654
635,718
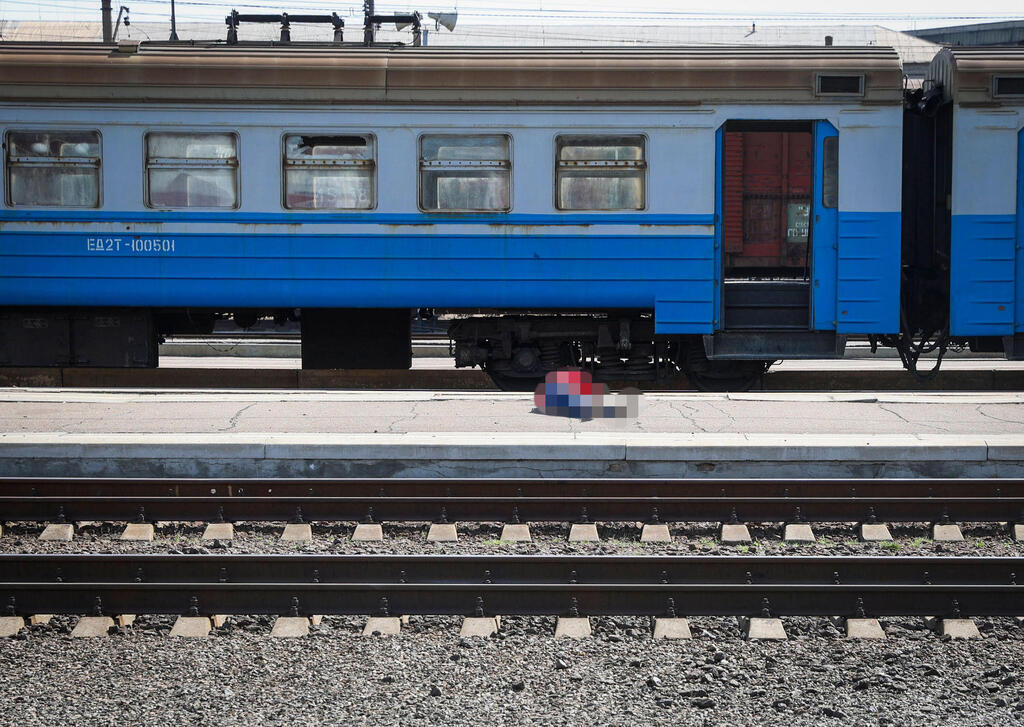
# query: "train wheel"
733,378
722,375
506,382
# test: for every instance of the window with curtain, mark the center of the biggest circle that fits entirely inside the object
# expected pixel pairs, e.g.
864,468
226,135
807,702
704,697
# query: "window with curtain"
465,173
53,168
329,172
600,173
191,169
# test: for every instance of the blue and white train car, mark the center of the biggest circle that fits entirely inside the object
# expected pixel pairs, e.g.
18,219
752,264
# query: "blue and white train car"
630,211
979,106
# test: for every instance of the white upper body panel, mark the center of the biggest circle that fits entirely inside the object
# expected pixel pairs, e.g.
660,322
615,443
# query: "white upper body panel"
985,162
680,147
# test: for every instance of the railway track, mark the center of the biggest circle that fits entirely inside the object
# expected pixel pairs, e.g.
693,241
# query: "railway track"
511,585
512,500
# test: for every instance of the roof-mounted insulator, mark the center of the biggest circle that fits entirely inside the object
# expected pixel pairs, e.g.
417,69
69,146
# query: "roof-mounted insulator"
235,18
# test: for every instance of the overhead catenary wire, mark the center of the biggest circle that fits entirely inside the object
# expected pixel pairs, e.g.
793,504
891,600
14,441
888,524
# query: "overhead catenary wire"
484,23
474,12
522,35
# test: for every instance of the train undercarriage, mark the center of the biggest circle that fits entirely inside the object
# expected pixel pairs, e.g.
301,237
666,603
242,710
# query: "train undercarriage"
517,351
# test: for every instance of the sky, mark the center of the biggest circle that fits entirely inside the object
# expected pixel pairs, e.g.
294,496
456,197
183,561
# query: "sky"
910,13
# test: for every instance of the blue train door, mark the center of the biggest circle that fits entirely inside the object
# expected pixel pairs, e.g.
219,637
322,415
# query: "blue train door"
825,227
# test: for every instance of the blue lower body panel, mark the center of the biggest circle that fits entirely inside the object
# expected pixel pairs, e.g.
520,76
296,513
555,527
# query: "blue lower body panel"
692,313
983,264
868,272
673,274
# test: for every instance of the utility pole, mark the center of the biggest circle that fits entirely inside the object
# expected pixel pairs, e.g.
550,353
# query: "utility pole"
174,29
108,29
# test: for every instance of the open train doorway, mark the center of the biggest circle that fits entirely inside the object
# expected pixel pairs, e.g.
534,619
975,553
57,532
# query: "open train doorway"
767,206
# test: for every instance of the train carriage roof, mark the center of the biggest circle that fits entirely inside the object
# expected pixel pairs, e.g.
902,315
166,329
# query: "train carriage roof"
160,72
985,76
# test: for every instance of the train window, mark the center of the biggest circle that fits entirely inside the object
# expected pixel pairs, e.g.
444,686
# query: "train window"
830,172
53,169
328,172
600,173
191,169
841,85
465,173
1009,86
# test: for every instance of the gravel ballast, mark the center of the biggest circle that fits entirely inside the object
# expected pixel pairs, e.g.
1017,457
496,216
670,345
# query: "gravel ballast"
429,676
548,538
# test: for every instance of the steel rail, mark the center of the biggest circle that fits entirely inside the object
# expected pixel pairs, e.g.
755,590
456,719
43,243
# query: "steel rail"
524,509
511,487
512,585
512,500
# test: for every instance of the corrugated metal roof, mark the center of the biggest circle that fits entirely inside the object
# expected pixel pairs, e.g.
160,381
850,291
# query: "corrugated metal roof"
911,50
1002,33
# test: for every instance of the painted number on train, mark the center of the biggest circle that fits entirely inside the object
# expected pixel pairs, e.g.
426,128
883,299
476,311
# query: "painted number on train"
153,245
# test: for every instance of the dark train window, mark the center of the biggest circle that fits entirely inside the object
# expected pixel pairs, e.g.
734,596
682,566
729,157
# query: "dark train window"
830,172
465,173
329,172
600,173
191,169
53,168
1009,86
845,85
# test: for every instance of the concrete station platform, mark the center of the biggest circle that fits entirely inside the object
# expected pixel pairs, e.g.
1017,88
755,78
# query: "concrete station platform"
423,433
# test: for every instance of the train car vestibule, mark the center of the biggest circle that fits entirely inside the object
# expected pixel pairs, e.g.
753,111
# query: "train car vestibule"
767,183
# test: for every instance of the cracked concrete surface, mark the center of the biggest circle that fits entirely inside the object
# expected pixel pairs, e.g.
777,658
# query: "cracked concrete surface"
1020,413
689,415
233,421
903,417
91,411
